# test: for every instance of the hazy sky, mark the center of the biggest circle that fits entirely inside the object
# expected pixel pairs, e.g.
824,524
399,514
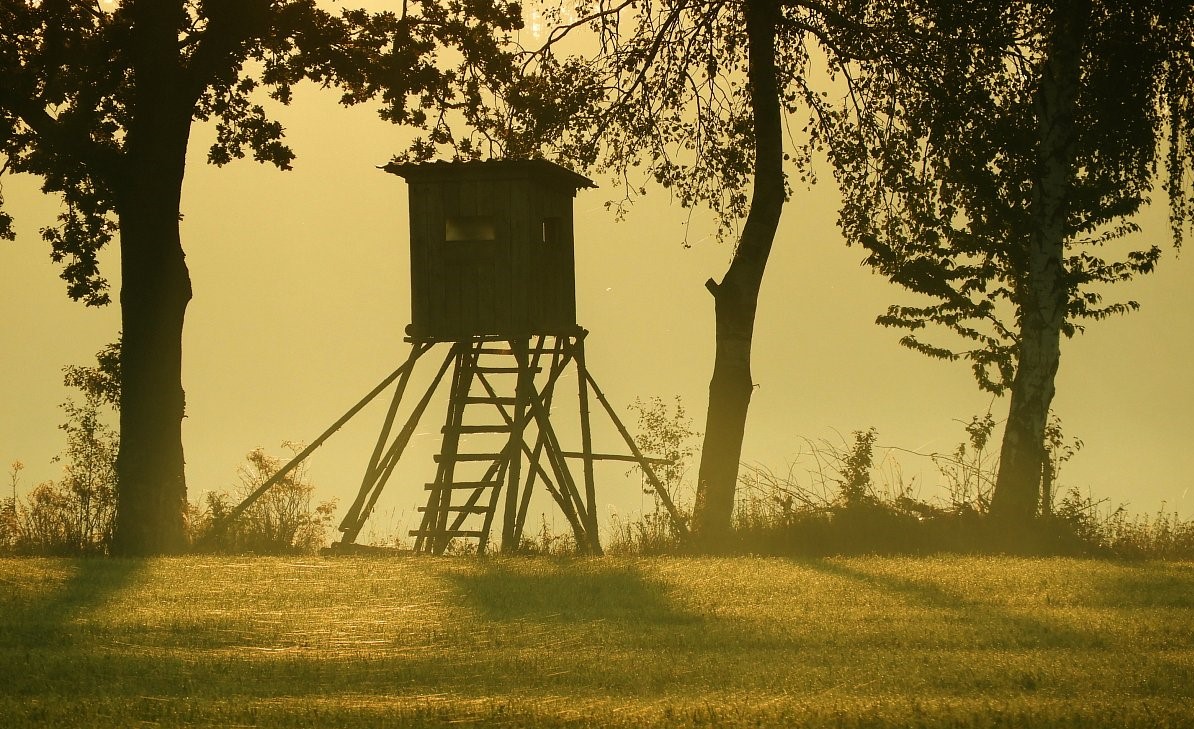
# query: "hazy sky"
301,294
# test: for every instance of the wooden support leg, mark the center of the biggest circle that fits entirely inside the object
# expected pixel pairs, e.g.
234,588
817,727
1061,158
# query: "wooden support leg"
643,462
372,470
239,509
386,465
586,436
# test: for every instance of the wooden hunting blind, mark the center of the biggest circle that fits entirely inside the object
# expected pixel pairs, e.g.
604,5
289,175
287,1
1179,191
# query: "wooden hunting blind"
491,248
493,275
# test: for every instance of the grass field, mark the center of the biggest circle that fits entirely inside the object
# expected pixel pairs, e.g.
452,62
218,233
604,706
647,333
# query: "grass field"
737,642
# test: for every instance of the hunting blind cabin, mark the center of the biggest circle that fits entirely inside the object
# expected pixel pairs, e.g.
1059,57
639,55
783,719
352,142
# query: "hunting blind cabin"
493,277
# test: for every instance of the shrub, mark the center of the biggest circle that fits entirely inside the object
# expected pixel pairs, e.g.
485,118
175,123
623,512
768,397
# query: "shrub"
665,432
282,520
76,514
841,499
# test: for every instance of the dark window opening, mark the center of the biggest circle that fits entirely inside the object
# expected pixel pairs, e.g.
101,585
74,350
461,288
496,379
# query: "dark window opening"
470,227
553,231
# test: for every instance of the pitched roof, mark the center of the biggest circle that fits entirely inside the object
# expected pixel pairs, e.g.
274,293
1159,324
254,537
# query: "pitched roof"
494,169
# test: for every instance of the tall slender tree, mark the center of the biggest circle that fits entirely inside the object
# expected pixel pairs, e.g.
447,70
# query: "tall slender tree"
693,96
992,177
98,98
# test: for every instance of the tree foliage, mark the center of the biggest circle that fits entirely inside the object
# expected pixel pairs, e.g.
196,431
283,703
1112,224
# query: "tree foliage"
998,179
937,167
100,106
658,92
69,87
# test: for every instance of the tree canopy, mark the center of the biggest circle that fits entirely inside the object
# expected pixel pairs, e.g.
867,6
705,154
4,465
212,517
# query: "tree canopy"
997,179
98,99
723,104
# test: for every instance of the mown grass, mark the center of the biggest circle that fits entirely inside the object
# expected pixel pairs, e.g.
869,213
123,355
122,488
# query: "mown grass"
617,642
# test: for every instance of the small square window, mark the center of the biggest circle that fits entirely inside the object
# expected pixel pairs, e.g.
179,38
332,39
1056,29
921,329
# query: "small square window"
470,227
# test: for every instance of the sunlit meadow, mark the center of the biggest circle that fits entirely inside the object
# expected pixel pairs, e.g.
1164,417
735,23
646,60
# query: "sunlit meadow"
366,642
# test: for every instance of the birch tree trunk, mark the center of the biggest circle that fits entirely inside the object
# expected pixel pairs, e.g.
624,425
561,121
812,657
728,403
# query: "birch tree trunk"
736,297
1044,293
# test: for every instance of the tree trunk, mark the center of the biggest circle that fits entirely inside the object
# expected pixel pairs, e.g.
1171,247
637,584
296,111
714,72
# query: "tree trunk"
155,290
736,297
1044,293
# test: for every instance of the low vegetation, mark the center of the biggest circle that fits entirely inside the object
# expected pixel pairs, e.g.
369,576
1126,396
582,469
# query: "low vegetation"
850,497
956,641
284,520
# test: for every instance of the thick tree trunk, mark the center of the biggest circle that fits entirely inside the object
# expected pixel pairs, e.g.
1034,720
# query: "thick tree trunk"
1044,294
155,290
736,297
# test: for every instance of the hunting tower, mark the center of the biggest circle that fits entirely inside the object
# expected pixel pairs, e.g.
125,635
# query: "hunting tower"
491,248
493,275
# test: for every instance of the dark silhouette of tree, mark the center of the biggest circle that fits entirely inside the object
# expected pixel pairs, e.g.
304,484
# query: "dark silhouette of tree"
693,96
997,176
100,105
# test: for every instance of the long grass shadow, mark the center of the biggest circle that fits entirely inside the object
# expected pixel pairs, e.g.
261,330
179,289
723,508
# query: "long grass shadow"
1003,628
1167,585
38,608
568,592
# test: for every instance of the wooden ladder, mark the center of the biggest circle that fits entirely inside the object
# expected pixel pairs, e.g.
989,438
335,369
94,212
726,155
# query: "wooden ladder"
481,451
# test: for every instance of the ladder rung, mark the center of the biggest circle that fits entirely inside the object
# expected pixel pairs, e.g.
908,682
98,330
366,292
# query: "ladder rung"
461,485
463,508
504,370
439,457
487,400
477,429
509,352
446,533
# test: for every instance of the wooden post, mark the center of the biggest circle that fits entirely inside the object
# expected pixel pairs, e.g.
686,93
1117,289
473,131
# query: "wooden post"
586,436
219,527
359,514
588,542
643,461
371,470
514,452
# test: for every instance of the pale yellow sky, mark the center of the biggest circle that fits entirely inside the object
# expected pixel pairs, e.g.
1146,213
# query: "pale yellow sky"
301,296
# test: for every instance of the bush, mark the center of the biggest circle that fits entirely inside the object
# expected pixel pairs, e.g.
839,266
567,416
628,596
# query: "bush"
666,432
76,514
282,520
844,501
